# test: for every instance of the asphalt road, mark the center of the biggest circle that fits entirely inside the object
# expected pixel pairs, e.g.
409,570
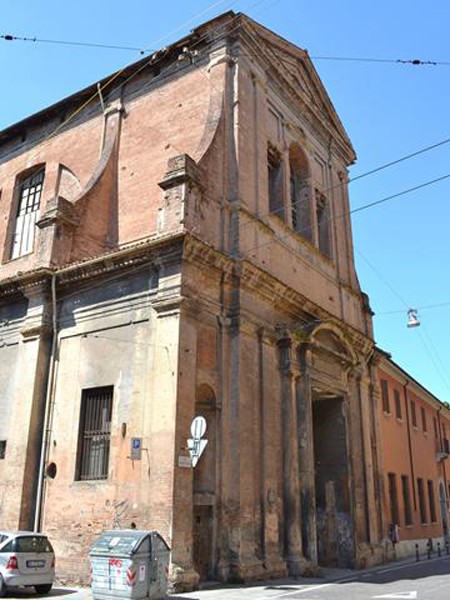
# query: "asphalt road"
426,580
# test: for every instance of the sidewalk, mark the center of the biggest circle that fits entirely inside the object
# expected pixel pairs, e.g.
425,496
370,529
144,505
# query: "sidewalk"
270,589
275,588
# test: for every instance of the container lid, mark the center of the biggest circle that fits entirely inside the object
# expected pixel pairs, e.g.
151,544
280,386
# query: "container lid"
123,542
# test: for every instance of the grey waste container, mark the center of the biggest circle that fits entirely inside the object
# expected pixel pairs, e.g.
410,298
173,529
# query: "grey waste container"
129,563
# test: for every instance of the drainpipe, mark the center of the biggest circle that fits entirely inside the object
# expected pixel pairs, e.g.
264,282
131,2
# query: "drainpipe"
48,414
411,461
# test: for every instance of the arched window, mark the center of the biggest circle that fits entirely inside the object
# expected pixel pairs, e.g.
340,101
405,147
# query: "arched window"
28,194
300,194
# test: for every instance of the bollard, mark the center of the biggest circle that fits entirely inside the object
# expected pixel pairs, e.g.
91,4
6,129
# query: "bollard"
417,553
429,549
447,547
439,548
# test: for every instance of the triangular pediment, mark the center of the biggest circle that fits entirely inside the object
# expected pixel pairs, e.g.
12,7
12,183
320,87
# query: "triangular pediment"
291,66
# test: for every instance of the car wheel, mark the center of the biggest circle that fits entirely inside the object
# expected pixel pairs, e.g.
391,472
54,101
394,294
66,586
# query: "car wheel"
44,588
2,587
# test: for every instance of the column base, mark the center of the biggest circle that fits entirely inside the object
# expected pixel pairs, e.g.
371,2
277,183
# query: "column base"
183,579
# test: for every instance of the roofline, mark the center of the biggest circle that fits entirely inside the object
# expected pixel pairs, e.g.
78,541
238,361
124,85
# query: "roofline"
387,356
116,76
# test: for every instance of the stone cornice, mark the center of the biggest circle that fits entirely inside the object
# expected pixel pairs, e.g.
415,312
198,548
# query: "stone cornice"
157,251
261,284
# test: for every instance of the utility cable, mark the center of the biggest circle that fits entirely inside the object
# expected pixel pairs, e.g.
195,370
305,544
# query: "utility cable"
371,172
436,359
415,61
419,308
358,209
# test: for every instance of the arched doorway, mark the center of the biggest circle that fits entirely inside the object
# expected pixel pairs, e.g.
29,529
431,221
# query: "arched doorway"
204,488
325,394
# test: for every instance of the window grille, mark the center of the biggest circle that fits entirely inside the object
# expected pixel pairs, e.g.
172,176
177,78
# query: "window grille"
30,190
94,434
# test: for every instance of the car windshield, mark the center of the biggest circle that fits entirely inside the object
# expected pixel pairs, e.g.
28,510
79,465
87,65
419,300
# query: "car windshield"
3,537
32,544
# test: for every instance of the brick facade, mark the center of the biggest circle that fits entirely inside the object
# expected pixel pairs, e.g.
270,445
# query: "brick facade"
193,253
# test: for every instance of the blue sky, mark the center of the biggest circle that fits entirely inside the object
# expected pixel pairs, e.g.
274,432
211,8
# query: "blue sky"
389,110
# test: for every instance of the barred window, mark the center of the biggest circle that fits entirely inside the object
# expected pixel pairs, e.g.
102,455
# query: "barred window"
29,199
94,434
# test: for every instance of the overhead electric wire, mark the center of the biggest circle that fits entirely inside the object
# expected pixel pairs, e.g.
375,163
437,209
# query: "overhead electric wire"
441,369
358,209
370,172
415,61
8,37
409,190
418,308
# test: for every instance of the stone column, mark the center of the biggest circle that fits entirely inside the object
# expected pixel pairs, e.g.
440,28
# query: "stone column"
306,459
291,496
29,406
366,429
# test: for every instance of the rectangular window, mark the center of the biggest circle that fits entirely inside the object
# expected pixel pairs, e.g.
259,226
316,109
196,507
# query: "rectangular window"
424,418
29,200
2,449
393,499
413,413
431,501
422,508
323,224
385,396
435,427
398,406
406,500
94,434
275,178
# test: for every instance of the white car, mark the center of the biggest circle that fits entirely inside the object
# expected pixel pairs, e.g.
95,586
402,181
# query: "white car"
27,559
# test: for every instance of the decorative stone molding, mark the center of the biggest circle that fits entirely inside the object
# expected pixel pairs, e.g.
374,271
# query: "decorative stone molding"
180,169
59,211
